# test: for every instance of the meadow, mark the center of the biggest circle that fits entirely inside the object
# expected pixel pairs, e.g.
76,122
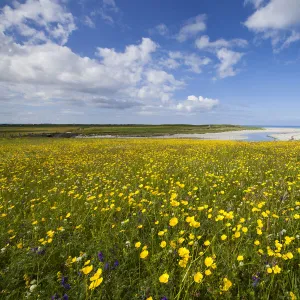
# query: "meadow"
149,219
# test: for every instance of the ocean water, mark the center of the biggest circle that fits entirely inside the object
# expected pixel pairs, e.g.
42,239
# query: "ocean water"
260,136
257,137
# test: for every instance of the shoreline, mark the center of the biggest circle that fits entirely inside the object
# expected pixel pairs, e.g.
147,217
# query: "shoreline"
267,134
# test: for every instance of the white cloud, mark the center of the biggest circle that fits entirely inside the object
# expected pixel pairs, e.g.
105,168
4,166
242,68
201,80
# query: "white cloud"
294,37
107,10
277,14
275,20
204,43
194,103
54,21
255,3
191,28
160,29
228,59
193,62
48,72
111,4
88,22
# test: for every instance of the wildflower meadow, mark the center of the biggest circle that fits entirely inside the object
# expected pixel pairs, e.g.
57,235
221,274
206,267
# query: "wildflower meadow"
149,219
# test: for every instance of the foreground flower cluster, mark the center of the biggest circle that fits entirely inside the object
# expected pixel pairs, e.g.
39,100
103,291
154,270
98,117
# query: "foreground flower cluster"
149,219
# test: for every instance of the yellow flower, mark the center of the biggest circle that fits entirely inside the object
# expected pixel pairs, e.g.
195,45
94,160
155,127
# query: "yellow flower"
137,245
257,242
86,270
258,231
161,233
208,272
269,270
276,269
198,277
144,254
20,246
244,229
96,275
87,262
240,258
149,298
227,284
237,234
290,255
173,222
184,252
293,296
223,237
68,215
181,240
206,243
182,263
163,244
208,261
164,278
50,233
95,283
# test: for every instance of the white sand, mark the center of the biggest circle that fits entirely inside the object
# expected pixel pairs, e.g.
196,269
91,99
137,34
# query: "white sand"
281,134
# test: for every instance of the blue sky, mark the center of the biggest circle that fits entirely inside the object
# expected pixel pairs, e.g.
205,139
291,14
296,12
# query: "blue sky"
150,61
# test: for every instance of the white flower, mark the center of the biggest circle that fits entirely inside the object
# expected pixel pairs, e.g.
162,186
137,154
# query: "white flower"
127,244
32,288
283,231
3,250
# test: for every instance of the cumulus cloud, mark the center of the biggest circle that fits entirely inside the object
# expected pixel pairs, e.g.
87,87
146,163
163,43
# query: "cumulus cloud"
54,22
228,59
47,72
204,43
191,28
275,19
193,62
194,103
120,75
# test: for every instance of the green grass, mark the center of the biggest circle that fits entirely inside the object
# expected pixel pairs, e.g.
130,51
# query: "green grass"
119,130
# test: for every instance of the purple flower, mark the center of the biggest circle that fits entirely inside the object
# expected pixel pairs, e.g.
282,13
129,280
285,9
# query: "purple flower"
65,297
100,256
64,283
116,264
164,298
54,297
255,280
41,252
106,266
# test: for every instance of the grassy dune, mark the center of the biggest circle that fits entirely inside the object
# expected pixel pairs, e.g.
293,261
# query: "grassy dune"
120,130
149,219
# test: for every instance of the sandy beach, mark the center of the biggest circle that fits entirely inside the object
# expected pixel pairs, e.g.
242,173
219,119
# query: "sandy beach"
268,133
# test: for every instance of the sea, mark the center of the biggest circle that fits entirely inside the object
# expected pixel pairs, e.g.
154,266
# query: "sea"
260,136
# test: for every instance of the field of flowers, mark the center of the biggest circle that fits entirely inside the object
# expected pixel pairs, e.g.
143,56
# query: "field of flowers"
149,219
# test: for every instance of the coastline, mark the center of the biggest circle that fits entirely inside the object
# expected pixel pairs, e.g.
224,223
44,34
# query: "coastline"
275,133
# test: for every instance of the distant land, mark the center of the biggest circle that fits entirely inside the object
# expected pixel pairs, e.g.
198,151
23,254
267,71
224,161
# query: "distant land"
132,130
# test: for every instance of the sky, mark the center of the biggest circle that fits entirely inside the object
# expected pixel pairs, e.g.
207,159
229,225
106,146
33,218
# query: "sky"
150,61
